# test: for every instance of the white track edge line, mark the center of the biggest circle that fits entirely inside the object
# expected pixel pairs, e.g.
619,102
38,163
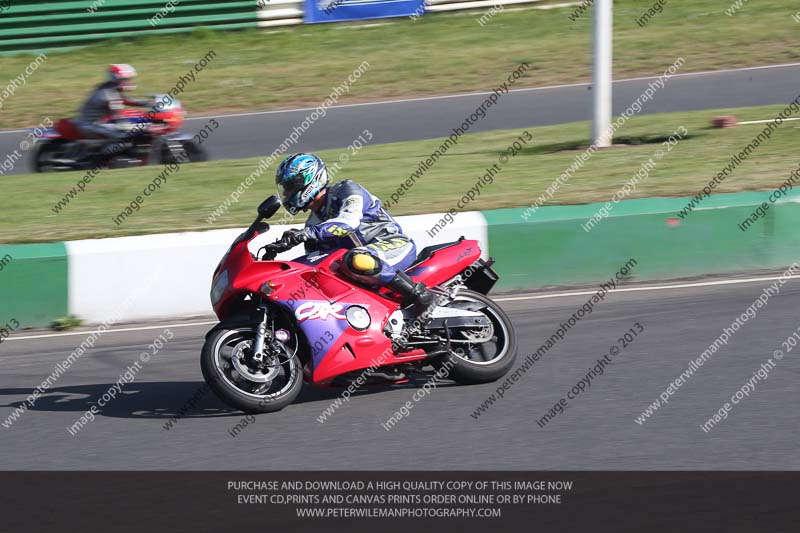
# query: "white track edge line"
119,330
647,288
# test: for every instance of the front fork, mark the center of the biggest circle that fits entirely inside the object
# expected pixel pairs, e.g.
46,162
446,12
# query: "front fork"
261,333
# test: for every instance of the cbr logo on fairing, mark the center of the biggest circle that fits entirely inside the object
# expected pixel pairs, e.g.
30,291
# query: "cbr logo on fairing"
321,310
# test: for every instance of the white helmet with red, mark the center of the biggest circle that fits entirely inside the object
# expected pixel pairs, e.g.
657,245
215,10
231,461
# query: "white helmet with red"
122,75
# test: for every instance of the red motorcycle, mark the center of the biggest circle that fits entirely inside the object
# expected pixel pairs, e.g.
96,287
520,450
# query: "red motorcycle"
151,136
285,322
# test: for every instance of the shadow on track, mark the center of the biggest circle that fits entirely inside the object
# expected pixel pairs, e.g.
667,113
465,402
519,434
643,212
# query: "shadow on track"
164,400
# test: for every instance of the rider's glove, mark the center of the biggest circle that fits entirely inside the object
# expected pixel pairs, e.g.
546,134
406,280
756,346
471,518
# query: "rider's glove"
293,237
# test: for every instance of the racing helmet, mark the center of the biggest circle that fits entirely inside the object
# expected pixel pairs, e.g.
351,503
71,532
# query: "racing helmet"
122,74
300,177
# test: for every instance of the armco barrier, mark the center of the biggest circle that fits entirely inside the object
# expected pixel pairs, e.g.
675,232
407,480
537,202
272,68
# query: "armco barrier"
36,24
168,275
29,25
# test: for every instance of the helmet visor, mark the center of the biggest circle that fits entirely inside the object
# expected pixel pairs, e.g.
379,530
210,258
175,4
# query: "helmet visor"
288,190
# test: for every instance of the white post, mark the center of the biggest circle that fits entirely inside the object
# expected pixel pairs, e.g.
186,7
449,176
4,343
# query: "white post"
602,47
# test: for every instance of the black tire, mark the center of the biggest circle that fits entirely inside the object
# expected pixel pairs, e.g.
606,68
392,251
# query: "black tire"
236,397
44,150
466,372
194,153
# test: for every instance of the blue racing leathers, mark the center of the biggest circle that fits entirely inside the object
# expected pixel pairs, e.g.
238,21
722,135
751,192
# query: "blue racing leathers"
353,218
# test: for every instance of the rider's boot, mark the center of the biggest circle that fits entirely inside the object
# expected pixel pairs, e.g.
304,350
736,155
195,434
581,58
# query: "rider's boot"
416,294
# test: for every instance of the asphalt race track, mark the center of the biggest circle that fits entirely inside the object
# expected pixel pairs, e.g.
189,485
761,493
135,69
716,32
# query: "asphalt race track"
427,118
597,431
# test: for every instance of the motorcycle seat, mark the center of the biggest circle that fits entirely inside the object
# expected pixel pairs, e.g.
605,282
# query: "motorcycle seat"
427,252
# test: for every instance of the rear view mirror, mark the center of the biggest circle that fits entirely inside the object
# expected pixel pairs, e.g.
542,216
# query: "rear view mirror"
269,207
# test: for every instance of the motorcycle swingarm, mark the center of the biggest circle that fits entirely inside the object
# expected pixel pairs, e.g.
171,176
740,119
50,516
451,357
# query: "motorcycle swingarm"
466,306
459,322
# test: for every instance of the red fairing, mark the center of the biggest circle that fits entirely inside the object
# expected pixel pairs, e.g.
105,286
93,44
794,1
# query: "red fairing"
165,121
446,263
319,298
245,276
67,129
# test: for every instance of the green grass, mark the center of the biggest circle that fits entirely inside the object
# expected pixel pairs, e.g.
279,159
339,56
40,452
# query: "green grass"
442,53
191,195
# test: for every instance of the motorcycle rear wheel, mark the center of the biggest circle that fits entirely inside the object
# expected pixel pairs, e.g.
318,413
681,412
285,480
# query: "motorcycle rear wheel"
474,364
230,381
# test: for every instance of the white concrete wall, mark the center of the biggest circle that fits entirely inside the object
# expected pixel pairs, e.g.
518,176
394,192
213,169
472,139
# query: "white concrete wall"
169,275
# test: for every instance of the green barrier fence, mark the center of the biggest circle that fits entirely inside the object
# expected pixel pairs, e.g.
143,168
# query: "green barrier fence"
552,248
37,25
33,283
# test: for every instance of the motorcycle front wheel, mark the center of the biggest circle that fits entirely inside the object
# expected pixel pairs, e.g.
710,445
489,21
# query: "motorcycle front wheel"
242,382
189,152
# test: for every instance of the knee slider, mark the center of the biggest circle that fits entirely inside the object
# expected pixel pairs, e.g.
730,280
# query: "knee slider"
362,263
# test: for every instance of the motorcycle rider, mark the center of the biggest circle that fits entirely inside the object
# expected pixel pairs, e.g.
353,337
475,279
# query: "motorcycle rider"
346,215
106,101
